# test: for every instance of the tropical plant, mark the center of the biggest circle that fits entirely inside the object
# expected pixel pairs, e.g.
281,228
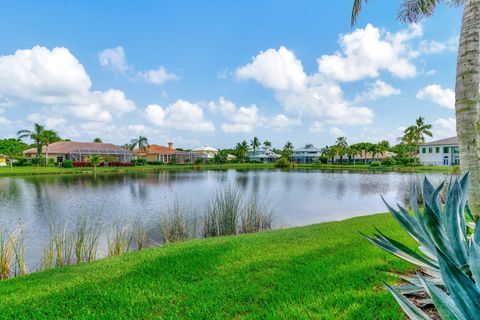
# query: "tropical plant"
141,143
449,245
241,150
267,144
95,160
97,140
255,144
341,147
415,134
47,137
287,149
467,103
353,150
12,148
35,135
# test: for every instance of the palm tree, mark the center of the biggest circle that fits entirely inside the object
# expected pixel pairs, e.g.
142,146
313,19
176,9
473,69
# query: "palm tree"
241,150
47,137
141,142
97,140
342,146
267,144
95,160
352,151
467,104
288,149
415,134
35,135
255,144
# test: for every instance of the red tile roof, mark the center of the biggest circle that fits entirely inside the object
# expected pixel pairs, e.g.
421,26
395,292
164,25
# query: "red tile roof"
156,149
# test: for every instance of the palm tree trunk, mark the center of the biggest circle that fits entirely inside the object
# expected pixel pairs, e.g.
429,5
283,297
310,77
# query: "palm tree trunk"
46,154
467,99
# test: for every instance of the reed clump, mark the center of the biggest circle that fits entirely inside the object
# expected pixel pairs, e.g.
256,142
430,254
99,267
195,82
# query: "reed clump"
12,253
175,224
119,239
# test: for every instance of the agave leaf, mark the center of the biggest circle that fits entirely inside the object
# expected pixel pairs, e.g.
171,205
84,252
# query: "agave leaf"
476,233
468,213
430,196
420,233
409,289
409,308
464,183
401,251
461,288
443,303
429,253
454,223
416,281
474,261
437,233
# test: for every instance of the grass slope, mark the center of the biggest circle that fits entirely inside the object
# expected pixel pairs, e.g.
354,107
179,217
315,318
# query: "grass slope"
23,171
324,271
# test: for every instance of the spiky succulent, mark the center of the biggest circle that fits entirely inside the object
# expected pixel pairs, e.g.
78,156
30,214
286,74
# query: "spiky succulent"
449,242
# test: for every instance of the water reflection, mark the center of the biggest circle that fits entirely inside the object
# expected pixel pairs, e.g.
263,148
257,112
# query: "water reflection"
301,197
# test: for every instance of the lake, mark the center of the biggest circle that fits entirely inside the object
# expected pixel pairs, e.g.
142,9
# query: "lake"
299,197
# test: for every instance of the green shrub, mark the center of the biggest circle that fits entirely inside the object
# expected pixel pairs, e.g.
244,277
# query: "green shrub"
375,164
448,254
155,163
139,162
51,162
67,164
283,163
20,162
389,162
38,161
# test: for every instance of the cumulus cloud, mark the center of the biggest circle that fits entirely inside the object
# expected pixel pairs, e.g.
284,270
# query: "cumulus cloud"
444,128
56,78
336,132
115,59
317,127
366,52
157,76
436,94
314,95
245,119
180,115
376,90
435,47
4,122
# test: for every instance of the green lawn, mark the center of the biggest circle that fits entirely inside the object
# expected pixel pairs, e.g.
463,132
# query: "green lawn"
22,171
324,271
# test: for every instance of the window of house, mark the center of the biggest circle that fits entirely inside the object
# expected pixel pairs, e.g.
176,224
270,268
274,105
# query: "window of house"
446,149
437,149
455,150
430,150
59,159
424,150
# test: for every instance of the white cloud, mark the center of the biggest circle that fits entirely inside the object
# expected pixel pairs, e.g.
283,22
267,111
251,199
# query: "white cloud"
51,122
4,122
55,78
444,128
245,119
157,76
317,127
181,115
435,93
366,52
300,94
376,90
275,69
114,58
336,132
435,47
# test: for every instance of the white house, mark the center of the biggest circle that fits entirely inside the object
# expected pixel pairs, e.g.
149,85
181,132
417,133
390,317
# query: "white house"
263,154
307,154
443,152
209,151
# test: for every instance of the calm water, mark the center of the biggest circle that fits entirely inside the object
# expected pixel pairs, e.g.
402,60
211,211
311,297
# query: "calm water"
299,197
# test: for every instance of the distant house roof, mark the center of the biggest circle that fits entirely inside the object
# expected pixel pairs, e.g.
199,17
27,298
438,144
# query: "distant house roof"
64,147
156,149
442,142
205,149
308,148
362,155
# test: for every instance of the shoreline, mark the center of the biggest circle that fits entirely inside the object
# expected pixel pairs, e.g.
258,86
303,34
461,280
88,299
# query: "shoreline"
34,171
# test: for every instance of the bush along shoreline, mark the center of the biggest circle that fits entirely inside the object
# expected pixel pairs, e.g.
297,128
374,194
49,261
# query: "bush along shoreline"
227,212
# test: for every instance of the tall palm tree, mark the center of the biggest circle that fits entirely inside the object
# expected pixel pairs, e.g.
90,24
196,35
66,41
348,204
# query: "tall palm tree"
255,144
288,149
342,146
415,134
353,150
34,135
141,142
97,140
267,144
467,104
47,137
241,150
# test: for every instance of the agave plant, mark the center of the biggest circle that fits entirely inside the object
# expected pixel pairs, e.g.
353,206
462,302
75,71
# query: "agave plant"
449,242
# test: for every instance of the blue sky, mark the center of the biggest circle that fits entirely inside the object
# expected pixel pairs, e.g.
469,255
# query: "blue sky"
218,72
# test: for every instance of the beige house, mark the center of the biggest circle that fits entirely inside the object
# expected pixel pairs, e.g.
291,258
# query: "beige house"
156,153
80,151
209,151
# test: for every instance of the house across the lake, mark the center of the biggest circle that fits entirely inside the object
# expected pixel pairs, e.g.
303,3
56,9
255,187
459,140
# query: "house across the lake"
156,153
79,151
307,154
443,152
263,154
209,151
3,160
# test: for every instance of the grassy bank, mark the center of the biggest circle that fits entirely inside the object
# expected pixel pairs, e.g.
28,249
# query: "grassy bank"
325,271
23,171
